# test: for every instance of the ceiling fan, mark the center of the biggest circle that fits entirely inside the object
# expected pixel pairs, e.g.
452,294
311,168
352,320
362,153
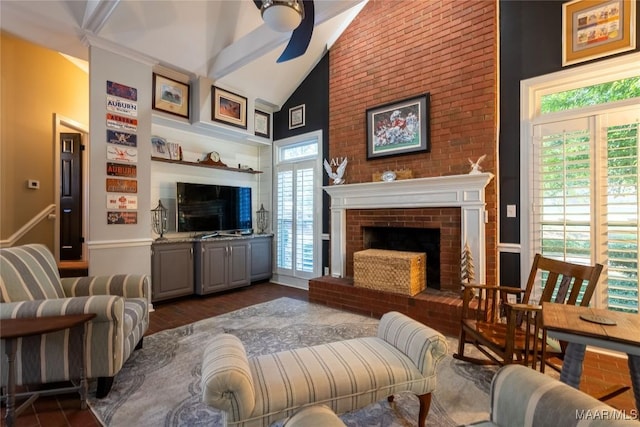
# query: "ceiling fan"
287,15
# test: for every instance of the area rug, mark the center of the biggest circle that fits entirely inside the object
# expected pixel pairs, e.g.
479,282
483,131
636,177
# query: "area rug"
160,384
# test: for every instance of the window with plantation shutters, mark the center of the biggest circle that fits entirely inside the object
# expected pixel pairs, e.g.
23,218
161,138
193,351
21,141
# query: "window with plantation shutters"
585,204
297,219
304,219
623,139
284,223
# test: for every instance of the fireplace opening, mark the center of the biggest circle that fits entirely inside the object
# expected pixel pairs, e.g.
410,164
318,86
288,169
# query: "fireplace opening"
410,239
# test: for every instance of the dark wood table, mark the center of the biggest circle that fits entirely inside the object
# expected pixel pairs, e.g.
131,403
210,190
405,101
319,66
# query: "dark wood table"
13,329
564,322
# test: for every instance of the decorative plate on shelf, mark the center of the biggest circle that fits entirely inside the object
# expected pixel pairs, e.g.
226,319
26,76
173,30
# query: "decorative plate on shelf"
388,176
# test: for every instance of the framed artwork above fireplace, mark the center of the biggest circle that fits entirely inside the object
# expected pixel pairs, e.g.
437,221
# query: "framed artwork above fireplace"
400,127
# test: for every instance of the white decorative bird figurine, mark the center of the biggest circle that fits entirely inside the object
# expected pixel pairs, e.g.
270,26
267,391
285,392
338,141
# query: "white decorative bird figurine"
475,166
337,175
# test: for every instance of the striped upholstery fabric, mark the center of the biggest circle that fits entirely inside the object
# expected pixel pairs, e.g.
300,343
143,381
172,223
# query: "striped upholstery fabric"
523,397
31,287
227,383
343,375
314,416
30,273
137,292
51,358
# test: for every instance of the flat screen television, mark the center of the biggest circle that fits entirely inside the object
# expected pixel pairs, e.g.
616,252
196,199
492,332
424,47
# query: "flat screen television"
213,208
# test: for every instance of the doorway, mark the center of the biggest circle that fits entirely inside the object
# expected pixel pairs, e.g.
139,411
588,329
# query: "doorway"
297,201
70,174
70,196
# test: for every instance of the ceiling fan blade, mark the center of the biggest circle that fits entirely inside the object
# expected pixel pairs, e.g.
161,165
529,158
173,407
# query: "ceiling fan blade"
258,3
301,36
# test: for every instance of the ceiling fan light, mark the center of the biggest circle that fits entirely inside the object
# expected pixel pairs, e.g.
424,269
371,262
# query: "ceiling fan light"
282,15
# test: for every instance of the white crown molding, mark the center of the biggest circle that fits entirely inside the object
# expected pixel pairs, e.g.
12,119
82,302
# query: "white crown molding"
97,14
91,40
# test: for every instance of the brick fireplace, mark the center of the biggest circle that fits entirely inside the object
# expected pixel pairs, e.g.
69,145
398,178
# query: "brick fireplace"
453,204
418,222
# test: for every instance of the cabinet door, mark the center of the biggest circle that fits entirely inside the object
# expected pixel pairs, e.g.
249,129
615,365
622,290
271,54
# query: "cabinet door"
239,264
213,267
172,270
261,259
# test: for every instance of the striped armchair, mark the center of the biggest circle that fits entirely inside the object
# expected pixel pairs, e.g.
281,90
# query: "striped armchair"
521,396
30,286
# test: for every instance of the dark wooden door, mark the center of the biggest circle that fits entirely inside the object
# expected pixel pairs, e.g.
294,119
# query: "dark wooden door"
70,196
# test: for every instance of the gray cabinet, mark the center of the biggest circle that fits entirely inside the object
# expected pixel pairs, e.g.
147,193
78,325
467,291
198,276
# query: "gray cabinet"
221,265
261,258
171,270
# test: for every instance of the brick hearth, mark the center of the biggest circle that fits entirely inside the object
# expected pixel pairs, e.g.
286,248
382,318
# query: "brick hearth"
437,309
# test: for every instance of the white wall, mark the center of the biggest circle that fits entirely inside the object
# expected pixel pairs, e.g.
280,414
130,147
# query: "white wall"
118,248
127,248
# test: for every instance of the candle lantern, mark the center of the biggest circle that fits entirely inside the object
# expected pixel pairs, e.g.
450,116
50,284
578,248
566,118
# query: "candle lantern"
159,220
262,219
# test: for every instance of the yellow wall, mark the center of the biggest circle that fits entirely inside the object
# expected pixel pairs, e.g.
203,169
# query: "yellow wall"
35,83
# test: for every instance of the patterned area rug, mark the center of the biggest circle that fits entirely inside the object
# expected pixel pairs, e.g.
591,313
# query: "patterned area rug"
160,384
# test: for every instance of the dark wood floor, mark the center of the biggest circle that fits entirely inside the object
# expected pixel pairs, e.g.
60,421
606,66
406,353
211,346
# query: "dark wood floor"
65,410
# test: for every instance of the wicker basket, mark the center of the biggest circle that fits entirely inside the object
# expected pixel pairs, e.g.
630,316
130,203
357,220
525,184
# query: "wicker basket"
390,271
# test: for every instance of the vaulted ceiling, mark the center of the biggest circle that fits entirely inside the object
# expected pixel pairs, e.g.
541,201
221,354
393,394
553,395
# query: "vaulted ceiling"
225,40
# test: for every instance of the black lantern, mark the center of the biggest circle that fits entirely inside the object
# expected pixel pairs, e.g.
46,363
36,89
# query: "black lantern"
262,219
159,220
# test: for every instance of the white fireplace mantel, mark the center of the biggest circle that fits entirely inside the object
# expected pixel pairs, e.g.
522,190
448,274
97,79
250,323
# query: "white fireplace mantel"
463,191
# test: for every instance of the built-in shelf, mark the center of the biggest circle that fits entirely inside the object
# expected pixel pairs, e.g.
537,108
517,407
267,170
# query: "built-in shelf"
204,165
214,130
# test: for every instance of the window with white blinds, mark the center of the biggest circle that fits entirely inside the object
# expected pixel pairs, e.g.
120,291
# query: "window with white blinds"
585,198
622,215
284,222
304,219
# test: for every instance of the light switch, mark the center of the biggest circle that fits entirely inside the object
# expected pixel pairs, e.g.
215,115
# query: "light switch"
511,211
34,184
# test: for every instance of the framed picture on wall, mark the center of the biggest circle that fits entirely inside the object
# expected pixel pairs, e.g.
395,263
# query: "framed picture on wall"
400,127
170,96
296,117
593,29
228,108
261,124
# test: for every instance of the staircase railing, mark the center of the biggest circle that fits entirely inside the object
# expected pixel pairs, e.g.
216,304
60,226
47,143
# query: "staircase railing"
46,213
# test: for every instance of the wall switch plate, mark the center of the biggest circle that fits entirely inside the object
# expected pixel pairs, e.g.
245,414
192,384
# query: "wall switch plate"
34,184
511,211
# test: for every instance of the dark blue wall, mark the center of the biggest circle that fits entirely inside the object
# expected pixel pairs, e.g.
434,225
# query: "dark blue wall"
314,94
530,46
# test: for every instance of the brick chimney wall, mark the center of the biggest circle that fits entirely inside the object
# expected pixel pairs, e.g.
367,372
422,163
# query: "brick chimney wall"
397,50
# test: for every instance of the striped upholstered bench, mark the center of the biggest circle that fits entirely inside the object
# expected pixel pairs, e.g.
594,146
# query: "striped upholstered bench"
343,375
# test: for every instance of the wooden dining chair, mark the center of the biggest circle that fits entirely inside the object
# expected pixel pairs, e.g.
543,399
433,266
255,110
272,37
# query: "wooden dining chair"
503,324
